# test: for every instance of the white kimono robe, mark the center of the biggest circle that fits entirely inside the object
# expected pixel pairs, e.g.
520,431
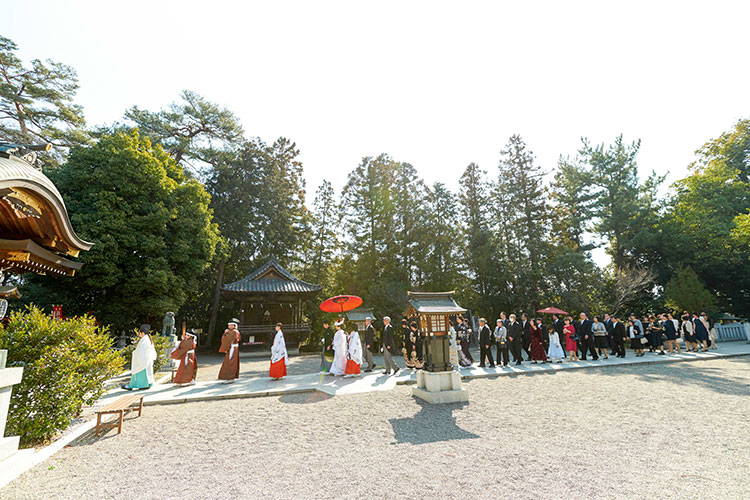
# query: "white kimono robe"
338,367
278,349
355,348
144,356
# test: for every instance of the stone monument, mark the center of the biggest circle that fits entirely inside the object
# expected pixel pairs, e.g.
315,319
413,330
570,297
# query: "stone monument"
13,462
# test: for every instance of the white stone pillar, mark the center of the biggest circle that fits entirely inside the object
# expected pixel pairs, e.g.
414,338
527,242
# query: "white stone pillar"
12,462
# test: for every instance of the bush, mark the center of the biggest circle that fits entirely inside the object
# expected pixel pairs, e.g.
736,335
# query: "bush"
160,344
66,364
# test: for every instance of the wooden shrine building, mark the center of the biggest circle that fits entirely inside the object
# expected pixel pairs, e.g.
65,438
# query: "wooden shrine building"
269,295
35,232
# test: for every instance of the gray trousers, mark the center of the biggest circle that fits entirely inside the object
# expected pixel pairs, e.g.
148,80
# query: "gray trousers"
368,358
390,365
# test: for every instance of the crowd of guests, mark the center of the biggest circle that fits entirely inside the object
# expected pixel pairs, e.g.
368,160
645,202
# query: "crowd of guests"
529,339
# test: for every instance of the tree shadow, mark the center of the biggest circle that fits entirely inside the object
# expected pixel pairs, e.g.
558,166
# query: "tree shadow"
433,423
694,373
304,398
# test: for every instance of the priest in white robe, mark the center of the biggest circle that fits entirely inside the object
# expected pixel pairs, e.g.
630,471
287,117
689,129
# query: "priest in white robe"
142,365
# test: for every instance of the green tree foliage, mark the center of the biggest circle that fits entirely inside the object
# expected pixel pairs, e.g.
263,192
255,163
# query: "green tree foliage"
151,228
192,129
685,292
475,244
441,244
528,216
704,223
37,102
65,365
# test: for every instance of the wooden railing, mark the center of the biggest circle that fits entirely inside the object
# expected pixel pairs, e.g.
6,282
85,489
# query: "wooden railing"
732,331
262,334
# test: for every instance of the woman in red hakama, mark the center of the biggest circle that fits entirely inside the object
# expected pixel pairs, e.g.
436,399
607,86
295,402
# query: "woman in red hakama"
279,356
185,353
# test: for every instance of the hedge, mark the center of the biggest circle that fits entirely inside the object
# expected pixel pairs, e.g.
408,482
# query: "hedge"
66,364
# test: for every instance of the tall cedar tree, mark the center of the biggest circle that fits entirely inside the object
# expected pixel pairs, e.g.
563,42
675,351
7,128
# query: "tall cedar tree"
528,216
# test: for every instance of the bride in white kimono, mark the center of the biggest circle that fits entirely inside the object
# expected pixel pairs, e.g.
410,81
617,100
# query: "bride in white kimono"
340,348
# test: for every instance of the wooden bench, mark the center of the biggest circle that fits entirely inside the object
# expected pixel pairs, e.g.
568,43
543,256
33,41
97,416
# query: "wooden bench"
121,407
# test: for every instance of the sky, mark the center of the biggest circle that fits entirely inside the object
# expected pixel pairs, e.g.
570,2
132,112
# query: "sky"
436,84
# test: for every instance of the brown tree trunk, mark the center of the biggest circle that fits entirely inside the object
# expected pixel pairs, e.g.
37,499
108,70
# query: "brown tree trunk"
215,306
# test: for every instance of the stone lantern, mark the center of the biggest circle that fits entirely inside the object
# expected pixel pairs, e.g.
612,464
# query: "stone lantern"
437,382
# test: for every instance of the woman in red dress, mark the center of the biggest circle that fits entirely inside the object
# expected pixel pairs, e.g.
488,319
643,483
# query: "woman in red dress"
570,344
537,344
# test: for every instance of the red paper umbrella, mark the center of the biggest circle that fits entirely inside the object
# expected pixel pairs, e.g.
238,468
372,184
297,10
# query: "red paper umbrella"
551,310
340,303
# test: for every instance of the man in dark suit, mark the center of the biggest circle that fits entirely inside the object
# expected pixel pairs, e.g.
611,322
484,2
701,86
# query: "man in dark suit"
485,343
586,338
514,336
369,342
526,335
389,347
619,335
558,324
610,334
504,319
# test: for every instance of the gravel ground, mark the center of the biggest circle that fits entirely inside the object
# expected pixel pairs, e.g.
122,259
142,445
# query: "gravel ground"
650,431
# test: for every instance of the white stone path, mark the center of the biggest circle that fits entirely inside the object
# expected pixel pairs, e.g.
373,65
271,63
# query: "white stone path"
165,393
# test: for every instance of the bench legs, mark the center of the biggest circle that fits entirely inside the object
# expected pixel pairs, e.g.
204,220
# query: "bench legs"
140,408
98,423
119,425
120,415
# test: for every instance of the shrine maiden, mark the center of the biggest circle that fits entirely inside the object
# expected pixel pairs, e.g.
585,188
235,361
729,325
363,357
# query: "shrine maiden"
142,365
340,349
279,356
354,354
185,353
230,346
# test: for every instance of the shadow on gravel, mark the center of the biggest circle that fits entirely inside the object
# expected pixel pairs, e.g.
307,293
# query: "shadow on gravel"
304,398
432,424
694,374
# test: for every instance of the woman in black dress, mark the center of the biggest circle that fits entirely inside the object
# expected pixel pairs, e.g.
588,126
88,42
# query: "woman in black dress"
670,332
655,330
636,337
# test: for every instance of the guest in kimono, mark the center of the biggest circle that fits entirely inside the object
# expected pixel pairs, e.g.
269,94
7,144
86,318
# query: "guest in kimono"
326,356
555,351
571,345
417,356
230,346
537,344
142,364
185,353
340,349
279,356
409,350
354,353
453,353
501,340
463,340
655,330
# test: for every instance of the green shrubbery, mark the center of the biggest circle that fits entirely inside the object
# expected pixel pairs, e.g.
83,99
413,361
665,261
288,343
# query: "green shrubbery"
66,364
160,344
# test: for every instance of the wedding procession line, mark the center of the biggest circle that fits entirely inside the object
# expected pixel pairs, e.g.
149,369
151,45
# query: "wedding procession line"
260,386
